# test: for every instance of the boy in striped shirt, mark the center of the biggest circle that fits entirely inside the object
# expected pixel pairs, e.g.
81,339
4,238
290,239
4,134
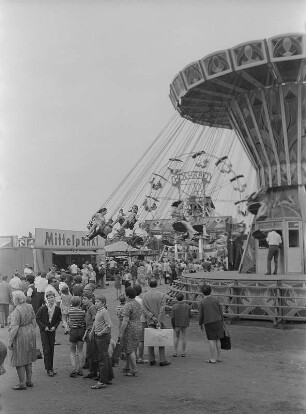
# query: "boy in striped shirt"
76,317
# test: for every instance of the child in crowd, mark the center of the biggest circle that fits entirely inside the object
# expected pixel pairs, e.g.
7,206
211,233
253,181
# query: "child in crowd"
62,283
119,308
180,316
65,305
91,358
127,279
140,349
48,318
101,331
117,283
90,287
76,319
77,287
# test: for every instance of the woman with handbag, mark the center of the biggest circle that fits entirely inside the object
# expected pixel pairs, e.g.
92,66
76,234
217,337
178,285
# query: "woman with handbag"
22,340
130,331
211,318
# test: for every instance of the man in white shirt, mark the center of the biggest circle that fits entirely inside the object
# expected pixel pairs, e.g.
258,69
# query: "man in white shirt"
74,269
274,240
15,282
27,270
40,284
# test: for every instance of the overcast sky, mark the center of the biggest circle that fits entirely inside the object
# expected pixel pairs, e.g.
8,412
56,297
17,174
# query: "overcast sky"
84,91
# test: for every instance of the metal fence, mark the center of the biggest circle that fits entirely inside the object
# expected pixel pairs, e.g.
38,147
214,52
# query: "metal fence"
254,299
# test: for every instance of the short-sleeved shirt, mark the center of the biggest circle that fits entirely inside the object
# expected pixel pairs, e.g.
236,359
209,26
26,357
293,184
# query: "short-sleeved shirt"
102,320
274,239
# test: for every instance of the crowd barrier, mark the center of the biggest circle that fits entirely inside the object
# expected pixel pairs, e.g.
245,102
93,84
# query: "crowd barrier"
275,300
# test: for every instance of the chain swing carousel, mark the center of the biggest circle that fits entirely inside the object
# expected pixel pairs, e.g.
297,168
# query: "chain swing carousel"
258,90
244,107
192,183
171,201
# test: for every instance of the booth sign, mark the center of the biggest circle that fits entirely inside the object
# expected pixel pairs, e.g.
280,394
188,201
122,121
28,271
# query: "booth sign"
66,240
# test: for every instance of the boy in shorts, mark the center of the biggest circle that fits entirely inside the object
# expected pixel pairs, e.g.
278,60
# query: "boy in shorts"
180,316
76,317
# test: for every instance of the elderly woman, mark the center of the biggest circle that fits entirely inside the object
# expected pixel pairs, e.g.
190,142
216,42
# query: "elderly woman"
211,317
22,340
131,330
3,353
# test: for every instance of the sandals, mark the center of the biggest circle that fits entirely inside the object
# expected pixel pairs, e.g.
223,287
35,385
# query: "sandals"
209,361
174,355
131,374
183,355
98,386
29,384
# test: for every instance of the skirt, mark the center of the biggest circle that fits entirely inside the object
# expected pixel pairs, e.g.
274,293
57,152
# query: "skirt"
214,330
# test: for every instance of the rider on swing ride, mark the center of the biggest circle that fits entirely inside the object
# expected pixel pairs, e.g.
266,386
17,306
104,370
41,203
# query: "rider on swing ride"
177,214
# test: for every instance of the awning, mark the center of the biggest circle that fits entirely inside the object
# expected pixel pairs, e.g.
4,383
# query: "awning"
73,252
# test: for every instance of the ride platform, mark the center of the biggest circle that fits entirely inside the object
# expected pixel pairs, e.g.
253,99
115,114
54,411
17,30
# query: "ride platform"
276,298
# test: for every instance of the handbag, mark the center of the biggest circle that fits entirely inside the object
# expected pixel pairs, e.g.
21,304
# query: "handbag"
226,340
116,353
158,337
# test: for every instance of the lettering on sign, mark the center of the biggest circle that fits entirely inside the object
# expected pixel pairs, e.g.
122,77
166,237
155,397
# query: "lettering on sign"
59,239
64,239
191,175
270,226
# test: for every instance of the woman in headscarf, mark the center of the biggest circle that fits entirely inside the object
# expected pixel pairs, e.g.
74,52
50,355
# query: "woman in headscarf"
22,340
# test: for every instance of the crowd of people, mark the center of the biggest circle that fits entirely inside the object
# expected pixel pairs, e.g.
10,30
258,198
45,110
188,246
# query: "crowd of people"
70,297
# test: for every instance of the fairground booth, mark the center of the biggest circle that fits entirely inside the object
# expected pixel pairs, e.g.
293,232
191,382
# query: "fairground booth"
50,246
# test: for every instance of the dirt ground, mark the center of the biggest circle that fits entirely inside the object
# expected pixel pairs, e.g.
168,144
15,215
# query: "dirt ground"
265,372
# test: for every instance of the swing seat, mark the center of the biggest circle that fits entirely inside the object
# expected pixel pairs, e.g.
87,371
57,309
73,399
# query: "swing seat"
254,207
198,228
259,235
179,227
135,241
168,241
